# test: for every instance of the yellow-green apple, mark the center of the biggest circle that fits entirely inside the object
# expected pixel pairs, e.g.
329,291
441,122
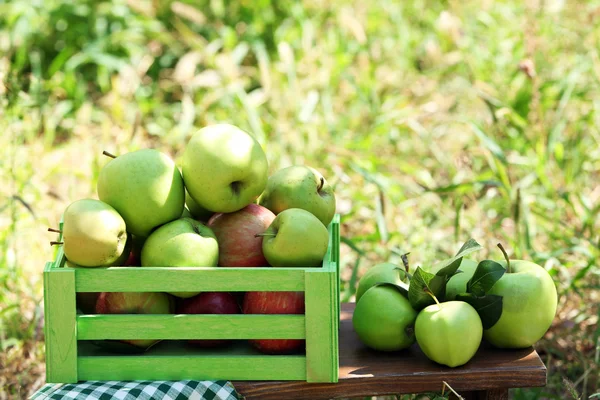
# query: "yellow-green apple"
449,333
224,168
384,272
384,319
135,303
529,301
195,210
295,238
181,243
209,303
458,282
94,234
275,303
235,232
145,187
299,186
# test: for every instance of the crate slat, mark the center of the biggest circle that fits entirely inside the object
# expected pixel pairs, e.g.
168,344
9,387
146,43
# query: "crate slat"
321,327
192,367
178,326
192,279
61,335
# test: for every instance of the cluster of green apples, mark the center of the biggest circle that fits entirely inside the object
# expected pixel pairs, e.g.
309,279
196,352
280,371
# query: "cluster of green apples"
450,331
220,210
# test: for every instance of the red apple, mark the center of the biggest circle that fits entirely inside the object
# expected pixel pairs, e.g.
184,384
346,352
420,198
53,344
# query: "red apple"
275,303
209,303
135,303
238,247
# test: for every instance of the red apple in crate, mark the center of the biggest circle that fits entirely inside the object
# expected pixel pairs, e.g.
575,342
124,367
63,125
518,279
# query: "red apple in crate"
209,303
235,232
135,303
275,303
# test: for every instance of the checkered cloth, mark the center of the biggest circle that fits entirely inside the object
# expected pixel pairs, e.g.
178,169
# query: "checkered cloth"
139,390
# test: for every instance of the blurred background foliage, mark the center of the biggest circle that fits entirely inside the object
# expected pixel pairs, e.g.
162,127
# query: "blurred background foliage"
435,121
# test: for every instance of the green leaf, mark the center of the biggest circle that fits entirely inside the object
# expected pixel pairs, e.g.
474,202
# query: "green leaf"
401,287
449,266
489,307
486,275
421,283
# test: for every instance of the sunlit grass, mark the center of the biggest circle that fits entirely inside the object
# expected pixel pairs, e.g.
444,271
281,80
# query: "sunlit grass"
435,122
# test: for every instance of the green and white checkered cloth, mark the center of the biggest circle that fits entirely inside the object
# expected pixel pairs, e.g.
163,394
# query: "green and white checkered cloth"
139,390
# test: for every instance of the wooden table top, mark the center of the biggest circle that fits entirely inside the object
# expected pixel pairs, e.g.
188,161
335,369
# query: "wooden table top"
364,372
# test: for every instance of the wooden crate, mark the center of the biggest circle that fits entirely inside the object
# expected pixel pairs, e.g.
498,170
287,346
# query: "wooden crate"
70,356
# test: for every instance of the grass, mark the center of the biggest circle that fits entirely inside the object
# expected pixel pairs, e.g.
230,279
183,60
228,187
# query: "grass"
435,122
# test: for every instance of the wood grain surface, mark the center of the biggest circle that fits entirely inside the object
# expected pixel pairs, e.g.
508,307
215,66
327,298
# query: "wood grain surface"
364,372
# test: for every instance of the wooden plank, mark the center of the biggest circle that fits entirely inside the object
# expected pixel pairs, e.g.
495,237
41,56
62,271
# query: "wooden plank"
97,327
188,279
321,327
146,367
364,372
60,331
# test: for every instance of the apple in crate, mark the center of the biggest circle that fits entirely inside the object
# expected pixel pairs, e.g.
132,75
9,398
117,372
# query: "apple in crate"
224,168
236,234
145,187
209,303
135,303
275,303
295,238
299,186
181,243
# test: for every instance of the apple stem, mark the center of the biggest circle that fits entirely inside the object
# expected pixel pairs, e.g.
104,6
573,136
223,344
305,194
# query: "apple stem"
106,153
53,243
54,230
433,297
404,258
264,234
451,389
321,184
505,257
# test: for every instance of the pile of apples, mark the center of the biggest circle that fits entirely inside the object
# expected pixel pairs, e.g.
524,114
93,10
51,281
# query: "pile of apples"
508,303
236,216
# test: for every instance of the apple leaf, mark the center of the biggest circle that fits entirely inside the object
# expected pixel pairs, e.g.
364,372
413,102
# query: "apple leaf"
489,307
421,283
401,287
486,275
450,265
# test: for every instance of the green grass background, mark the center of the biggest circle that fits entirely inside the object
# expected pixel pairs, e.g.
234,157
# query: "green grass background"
435,121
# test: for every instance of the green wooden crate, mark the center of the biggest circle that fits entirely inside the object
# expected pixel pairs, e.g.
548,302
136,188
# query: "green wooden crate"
70,357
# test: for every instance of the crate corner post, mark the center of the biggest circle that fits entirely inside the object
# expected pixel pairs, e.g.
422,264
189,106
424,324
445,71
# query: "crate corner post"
322,358
60,325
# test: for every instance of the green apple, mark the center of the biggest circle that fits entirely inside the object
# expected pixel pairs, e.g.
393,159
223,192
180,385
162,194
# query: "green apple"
194,209
94,234
295,238
529,301
299,186
458,283
224,168
384,272
384,319
181,243
145,187
449,333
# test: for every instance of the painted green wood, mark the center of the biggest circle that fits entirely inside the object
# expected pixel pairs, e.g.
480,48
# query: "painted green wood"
95,327
321,327
148,367
168,361
188,279
60,328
